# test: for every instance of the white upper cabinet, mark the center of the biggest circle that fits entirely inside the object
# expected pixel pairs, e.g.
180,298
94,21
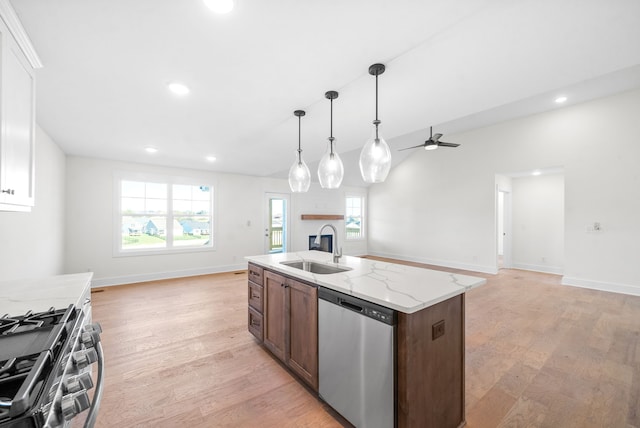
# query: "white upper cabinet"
17,113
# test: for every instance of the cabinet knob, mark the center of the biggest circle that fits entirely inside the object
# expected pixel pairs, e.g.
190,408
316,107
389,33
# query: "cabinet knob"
8,191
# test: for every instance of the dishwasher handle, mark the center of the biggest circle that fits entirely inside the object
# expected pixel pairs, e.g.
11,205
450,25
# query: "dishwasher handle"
351,306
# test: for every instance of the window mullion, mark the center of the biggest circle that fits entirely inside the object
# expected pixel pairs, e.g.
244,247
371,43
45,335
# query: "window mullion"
169,215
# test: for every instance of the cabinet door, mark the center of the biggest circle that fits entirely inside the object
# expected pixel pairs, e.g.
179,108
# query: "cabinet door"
302,357
18,125
274,314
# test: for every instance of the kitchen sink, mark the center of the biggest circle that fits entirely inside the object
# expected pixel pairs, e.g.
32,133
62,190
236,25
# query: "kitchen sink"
313,267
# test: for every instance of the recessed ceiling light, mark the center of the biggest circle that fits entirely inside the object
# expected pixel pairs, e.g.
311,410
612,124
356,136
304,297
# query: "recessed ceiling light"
178,88
536,172
151,149
211,158
560,100
219,6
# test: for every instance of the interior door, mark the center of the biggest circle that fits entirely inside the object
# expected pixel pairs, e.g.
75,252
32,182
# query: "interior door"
276,229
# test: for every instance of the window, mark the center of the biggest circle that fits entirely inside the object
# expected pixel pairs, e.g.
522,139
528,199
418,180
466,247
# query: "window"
163,214
354,219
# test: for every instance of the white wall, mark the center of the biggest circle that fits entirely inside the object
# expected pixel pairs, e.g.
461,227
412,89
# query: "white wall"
538,223
439,207
32,244
239,223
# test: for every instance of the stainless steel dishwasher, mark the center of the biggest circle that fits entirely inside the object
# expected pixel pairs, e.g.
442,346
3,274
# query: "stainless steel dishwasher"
356,358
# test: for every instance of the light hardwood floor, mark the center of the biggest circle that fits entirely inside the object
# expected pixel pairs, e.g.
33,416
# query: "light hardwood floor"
538,354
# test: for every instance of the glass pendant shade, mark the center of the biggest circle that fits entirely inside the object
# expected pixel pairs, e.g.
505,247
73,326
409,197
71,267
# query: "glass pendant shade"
330,170
299,176
375,159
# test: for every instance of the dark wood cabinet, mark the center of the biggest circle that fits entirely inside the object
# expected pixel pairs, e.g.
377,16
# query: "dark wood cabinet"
430,366
255,322
283,314
274,314
302,326
255,296
255,274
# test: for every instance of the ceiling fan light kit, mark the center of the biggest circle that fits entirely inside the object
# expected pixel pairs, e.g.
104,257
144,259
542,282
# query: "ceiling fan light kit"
432,143
375,157
330,170
299,175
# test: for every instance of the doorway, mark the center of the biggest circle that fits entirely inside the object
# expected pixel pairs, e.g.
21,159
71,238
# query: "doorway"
276,230
504,229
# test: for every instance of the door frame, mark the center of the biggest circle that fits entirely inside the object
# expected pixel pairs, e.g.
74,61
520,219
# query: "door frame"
286,223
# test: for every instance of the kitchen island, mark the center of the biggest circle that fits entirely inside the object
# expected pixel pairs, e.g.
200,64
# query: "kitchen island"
428,368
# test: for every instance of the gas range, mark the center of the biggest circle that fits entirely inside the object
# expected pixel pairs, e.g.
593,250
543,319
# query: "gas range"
45,371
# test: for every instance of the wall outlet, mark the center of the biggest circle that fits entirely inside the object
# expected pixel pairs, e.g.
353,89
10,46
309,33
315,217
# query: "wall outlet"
437,330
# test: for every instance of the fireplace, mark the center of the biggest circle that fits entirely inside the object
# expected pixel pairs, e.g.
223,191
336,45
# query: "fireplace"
326,243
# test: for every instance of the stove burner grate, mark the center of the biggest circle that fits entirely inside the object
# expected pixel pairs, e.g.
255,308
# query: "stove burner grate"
29,321
32,345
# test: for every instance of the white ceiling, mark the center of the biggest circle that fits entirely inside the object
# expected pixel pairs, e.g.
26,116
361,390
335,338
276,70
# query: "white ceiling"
455,65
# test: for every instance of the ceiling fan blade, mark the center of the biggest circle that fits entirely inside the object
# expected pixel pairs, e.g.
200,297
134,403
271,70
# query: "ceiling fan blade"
413,147
443,144
436,137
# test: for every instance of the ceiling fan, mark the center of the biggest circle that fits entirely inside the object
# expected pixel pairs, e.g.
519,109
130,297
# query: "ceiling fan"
432,143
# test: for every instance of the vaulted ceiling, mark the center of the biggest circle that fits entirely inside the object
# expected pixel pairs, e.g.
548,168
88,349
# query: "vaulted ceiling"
451,64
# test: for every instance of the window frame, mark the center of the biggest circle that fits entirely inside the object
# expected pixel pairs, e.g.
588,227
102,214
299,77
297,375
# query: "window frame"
363,229
169,181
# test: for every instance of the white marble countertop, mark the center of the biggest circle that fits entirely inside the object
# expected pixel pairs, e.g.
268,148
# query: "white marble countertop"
404,288
19,296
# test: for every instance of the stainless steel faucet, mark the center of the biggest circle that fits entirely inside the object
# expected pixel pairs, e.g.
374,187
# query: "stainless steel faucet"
337,252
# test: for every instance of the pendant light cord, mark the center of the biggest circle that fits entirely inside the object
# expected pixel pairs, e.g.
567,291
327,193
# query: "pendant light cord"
331,127
376,122
299,137
376,97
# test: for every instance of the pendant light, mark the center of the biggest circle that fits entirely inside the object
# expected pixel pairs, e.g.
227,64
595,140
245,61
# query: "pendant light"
375,157
330,170
299,175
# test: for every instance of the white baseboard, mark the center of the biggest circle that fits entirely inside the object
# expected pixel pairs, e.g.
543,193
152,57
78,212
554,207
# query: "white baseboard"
444,263
539,268
603,286
143,277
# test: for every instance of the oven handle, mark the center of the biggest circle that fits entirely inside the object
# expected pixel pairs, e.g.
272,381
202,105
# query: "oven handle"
97,396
